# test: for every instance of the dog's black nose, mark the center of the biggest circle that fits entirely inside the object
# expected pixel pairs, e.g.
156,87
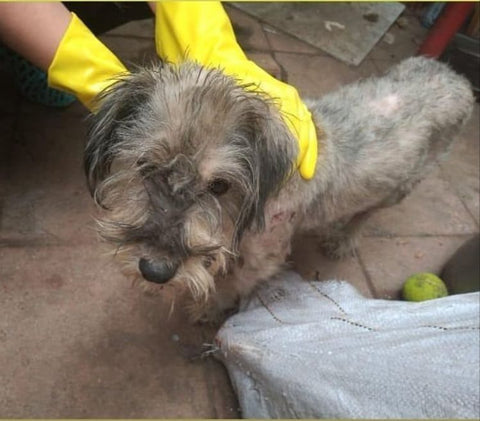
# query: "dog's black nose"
159,271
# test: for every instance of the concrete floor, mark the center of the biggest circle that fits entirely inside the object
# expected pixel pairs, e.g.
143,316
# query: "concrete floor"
77,341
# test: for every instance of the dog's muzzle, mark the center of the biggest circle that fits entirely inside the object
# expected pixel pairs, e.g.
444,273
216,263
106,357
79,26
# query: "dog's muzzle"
160,271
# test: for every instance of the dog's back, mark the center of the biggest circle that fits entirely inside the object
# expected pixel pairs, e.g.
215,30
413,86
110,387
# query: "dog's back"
433,92
387,131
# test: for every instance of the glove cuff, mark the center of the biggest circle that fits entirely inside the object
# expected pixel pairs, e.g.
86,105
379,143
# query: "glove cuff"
82,65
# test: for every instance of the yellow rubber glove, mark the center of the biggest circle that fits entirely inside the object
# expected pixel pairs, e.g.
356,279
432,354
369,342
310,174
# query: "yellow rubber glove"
202,31
82,65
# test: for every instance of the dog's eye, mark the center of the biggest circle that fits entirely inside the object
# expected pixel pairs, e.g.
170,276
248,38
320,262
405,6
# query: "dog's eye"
218,187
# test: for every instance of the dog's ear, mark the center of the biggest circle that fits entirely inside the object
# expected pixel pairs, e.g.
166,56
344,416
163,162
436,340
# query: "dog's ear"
119,106
273,154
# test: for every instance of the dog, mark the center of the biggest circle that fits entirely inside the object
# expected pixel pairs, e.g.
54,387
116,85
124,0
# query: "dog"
195,178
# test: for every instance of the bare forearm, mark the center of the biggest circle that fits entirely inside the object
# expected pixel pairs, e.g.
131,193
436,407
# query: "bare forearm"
34,30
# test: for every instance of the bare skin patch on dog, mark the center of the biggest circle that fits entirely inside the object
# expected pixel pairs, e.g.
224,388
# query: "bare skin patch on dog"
387,106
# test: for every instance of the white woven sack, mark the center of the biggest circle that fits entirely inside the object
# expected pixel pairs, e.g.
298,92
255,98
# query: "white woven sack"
303,349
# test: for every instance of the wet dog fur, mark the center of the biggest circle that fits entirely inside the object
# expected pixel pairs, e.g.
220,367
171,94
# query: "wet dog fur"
195,178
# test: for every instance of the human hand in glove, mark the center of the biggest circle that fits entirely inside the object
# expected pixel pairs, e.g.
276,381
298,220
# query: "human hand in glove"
83,65
78,63
201,31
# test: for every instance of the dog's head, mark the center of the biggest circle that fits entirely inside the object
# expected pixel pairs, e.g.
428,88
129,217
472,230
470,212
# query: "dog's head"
182,161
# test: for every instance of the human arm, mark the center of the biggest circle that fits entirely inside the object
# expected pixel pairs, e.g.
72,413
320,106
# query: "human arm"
55,40
34,30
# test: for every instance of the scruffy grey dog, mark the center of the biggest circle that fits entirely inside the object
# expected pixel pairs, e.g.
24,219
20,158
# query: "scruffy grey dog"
194,172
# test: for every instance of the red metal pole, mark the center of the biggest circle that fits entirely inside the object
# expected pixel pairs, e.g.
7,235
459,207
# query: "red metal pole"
446,26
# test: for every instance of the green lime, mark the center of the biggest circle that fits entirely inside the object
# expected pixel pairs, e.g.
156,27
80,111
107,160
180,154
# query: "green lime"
423,286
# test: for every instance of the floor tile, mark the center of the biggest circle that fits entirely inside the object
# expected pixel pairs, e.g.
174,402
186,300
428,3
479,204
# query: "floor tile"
252,34
45,194
314,76
432,208
399,43
82,343
309,262
144,28
221,393
75,110
284,43
131,50
390,261
248,30
342,29
266,62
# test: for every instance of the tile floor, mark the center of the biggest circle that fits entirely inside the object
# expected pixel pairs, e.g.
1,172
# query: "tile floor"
77,341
